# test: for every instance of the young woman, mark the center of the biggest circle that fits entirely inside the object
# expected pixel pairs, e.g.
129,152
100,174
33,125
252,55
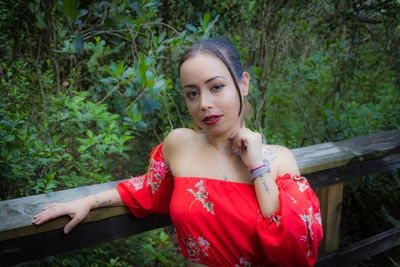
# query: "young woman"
233,200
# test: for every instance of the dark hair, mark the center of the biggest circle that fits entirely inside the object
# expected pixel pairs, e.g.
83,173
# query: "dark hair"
223,50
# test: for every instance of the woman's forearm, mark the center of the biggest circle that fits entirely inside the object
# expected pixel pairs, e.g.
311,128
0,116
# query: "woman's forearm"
106,198
78,209
267,194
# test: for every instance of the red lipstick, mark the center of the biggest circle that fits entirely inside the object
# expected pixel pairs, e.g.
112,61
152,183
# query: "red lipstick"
212,119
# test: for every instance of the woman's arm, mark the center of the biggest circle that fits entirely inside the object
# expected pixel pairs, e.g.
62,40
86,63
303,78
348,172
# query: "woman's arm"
281,161
253,153
78,209
251,147
267,194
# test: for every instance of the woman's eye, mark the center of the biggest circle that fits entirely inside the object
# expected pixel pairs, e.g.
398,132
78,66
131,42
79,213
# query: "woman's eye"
192,95
217,87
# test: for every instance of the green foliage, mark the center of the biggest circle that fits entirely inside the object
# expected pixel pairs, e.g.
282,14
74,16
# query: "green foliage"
78,143
154,248
87,88
375,200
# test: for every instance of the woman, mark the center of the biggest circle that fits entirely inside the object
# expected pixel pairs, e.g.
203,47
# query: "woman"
233,200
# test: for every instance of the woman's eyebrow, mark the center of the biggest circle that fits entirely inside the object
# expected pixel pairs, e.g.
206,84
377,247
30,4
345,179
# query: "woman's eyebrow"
215,77
207,81
189,86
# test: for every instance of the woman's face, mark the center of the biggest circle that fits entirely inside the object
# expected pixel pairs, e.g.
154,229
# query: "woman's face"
210,93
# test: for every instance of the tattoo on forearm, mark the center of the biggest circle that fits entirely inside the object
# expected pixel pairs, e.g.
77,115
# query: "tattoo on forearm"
264,183
104,203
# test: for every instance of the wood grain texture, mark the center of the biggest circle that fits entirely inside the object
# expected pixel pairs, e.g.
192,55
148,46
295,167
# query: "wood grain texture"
361,250
16,215
332,210
326,156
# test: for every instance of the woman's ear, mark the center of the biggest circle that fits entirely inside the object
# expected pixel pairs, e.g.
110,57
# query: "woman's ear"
245,83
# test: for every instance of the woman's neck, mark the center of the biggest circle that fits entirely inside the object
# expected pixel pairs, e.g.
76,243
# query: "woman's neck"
222,143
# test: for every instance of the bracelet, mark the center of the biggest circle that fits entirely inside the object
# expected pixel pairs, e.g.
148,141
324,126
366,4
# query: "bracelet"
259,170
252,170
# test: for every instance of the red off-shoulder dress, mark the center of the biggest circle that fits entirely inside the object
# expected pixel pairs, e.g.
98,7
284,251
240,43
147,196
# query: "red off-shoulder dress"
219,223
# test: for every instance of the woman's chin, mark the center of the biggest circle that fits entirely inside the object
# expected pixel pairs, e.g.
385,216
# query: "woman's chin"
214,131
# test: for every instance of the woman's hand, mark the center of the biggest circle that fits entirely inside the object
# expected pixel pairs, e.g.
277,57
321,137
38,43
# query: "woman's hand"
249,144
77,210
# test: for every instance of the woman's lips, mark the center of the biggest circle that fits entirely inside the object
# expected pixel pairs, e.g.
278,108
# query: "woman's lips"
212,119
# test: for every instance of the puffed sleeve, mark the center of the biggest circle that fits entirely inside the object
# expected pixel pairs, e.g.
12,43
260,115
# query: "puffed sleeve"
149,193
290,237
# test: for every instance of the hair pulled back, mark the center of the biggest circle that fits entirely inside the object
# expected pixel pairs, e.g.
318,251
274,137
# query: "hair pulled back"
223,50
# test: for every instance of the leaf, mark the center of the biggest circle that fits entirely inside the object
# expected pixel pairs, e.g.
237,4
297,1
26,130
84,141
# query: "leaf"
40,23
108,81
162,258
89,133
251,5
135,7
191,28
128,92
142,69
107,69
69,8
78,43
159,84
126,138
134,114
206,19
161,37
128,73
120,69
163,237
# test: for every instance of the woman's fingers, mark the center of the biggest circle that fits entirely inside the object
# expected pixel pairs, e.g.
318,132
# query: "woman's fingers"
75,209
249,144
71,224
49,212
239,139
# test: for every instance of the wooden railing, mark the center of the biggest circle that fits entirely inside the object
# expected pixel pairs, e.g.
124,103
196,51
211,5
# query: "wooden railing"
326,166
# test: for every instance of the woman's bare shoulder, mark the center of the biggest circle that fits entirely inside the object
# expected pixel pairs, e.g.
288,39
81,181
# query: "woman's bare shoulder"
282,158
177,140
178,136
273,151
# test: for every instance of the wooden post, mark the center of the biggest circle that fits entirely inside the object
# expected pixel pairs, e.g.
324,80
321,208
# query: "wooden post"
331,198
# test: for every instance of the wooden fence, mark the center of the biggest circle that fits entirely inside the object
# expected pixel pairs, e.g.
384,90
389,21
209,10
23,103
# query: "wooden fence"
326,166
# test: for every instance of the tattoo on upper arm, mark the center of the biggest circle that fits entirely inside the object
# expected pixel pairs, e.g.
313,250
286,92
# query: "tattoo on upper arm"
270,154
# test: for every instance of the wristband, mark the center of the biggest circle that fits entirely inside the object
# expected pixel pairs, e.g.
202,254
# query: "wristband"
252,170
254,173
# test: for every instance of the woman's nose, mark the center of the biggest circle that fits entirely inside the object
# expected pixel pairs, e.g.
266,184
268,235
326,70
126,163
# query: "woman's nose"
206,101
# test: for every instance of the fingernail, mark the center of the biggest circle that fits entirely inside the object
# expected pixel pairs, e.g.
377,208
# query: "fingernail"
66,230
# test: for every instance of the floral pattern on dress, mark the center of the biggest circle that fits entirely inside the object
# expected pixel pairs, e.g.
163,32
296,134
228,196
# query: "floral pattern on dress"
195,248
243,262
301,182
137,182
201,194
308,221
156,174
318,217
275,218
292,198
